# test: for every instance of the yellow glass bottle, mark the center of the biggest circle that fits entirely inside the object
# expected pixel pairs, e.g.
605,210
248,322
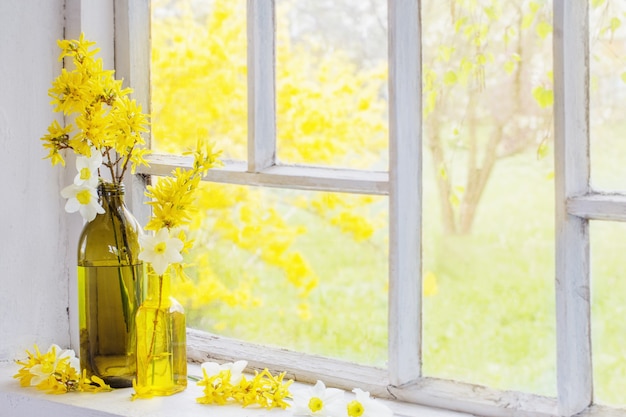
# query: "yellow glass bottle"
161,340
110,281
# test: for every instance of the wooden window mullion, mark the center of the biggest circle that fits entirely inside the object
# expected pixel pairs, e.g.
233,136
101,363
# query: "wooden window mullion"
405,190
261,85
571,114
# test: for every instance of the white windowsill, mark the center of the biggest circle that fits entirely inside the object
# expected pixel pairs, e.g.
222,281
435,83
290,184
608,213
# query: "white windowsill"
16,401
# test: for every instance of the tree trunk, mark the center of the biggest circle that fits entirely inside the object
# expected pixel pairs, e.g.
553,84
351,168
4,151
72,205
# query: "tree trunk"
444,187
477,178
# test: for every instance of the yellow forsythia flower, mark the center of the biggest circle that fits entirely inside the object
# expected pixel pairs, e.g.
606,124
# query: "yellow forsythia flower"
56,372
227,384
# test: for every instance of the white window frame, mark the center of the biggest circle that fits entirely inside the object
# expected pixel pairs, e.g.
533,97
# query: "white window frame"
576,204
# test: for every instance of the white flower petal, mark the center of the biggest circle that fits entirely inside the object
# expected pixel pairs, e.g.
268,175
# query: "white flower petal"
162,234
239,366
236,369
38,375
172,254
69,191
72,205
372,408
89,211
211,368
160,250
146,242
329,397
159,264
175,243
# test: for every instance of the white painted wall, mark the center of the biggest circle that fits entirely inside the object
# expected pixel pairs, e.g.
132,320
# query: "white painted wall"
37,238
35,262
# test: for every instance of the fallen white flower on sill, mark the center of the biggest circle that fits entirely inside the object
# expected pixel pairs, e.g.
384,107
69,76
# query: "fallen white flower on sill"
236,369
317,401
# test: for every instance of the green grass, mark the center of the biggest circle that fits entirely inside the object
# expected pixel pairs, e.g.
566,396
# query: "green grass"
492,321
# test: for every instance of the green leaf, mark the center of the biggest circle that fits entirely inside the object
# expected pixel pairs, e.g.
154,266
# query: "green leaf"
543,97
542,150
597,3
429,104
543,29
445,52
466,66
443,173
534,6
615,23
623,76
454,200
509,34
491,12
459,24
450,78
509,67
527,21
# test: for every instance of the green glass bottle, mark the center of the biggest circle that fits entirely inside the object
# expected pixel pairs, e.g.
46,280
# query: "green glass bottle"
110,290
161,340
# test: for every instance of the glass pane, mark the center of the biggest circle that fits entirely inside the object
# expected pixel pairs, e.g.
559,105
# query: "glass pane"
488,194
300,270
608,93
608,326
198,75
331,75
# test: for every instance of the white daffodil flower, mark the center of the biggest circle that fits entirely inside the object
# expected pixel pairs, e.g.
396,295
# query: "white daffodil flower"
236,369
55,354
74,362
88,169
317,401
364,406
160,250
82,198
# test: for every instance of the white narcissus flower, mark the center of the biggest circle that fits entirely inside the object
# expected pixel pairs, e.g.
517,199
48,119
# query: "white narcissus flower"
160,250
87,168
54,355
316,401
364,406
82,198
235,368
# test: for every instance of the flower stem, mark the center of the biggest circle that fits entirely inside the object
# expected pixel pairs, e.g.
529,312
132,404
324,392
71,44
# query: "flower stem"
156,321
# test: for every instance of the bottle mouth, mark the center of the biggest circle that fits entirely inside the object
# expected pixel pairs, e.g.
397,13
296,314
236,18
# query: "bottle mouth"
109,188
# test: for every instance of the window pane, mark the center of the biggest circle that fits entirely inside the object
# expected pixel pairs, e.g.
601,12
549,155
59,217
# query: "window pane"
488,194
301,270
331,75
608,326
198,75
607,35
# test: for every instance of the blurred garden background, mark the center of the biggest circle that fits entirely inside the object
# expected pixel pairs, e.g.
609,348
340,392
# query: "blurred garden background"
308,270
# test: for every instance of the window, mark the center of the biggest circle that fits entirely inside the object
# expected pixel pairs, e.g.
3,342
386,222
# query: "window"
401,189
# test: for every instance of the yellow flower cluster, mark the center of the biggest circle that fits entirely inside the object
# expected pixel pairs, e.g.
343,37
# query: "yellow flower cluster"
172,200
264,390
106,119
172,197
56,372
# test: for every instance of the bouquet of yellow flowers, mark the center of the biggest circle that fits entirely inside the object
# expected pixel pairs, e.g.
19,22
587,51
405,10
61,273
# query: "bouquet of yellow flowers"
106,127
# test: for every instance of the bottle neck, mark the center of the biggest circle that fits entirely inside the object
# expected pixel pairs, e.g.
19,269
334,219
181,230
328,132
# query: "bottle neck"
158,289
111,195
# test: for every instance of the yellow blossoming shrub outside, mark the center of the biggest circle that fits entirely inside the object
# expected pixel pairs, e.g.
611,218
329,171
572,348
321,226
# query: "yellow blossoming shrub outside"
249,241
